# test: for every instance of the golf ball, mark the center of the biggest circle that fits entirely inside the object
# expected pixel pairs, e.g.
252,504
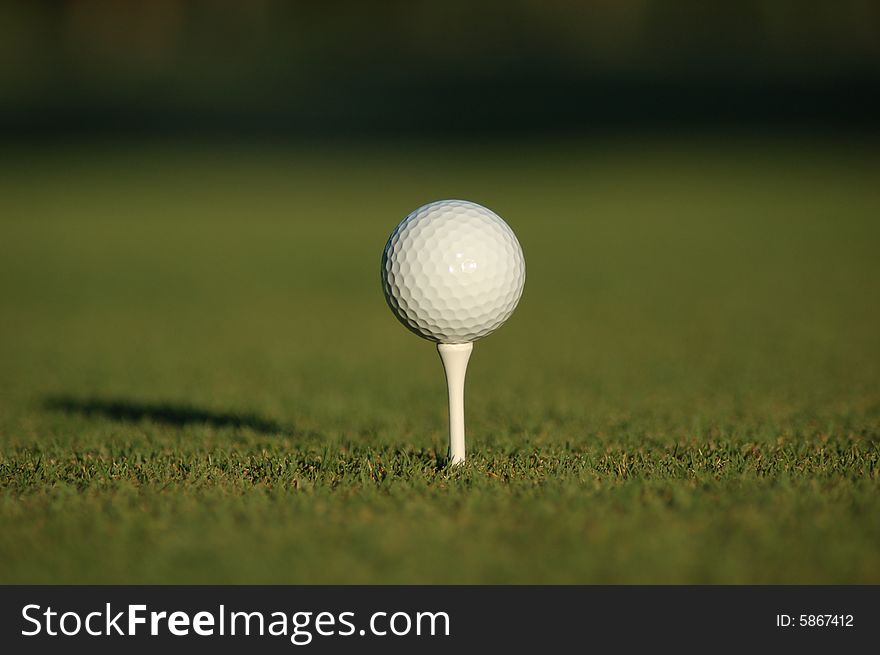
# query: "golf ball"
453,271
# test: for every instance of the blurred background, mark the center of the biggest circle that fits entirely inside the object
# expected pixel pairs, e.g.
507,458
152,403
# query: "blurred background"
200,380
401,68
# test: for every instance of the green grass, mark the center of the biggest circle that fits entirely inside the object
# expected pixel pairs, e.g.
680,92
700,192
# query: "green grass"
200,380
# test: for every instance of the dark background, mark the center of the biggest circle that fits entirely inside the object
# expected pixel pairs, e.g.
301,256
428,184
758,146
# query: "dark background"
271,68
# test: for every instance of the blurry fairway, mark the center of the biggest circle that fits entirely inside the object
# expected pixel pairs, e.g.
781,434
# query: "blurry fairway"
200,380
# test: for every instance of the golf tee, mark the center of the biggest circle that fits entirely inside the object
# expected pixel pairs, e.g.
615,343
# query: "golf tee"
455,360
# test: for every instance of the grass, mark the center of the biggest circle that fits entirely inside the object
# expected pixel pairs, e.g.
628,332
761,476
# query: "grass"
200,381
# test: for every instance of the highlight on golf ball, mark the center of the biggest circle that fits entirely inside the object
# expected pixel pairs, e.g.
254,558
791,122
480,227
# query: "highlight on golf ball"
453,271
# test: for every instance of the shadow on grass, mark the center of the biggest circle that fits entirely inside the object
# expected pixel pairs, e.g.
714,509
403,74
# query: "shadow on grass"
179,415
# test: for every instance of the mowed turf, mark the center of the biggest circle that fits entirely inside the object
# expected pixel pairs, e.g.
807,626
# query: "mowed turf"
200,380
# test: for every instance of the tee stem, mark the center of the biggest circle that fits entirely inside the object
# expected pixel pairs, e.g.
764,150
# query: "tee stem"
455,360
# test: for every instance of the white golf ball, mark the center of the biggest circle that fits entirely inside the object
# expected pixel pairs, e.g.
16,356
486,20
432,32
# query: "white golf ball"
453,271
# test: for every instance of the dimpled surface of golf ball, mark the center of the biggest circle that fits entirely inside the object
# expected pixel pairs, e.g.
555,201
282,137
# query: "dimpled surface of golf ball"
453,271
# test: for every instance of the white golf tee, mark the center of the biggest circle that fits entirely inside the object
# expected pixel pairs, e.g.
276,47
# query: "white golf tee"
455,360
